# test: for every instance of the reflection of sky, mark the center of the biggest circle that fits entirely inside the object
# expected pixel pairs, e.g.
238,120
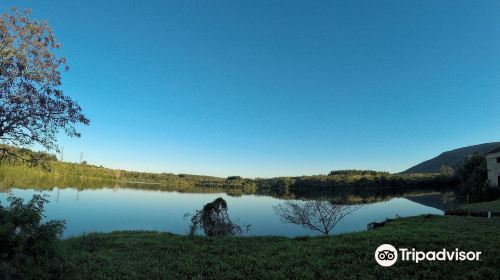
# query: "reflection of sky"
127,209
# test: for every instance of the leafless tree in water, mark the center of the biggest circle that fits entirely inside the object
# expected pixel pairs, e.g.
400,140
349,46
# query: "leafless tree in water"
318,215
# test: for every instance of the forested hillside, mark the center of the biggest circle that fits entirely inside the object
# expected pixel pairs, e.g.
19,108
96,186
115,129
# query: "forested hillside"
451,158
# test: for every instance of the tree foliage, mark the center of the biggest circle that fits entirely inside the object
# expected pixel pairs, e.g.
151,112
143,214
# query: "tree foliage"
14,156
318,215
357,172
473,176
33,108
446,171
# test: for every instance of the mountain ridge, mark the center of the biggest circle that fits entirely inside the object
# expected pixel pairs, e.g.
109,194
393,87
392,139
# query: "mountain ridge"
451,158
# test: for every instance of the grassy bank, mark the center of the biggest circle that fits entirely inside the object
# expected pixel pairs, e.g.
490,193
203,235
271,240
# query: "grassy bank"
484,206
151,255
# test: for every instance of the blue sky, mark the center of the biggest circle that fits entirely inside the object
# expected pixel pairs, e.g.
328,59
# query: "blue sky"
271,88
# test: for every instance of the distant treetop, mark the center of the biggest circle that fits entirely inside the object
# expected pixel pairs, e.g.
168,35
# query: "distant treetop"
347,172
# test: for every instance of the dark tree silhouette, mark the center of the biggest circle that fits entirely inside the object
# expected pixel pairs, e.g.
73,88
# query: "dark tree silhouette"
318,215
473,176
214,220
33,108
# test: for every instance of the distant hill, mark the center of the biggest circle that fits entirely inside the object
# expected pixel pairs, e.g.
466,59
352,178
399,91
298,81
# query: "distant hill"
451,158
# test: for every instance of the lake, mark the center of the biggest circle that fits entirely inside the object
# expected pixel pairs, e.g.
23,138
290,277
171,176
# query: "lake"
111,209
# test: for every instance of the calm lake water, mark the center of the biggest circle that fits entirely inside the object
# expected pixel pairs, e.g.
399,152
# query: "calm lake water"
107,209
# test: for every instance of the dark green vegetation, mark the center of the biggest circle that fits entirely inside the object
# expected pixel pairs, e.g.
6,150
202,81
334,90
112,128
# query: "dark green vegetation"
22,156
473,180
151,255
452,158
468,179
55,171
65,174
473,176
25,241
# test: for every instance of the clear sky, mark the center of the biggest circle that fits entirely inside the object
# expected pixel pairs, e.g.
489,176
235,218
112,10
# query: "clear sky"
269,88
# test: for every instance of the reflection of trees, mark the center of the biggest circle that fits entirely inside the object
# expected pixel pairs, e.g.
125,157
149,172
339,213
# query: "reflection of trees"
351,196
24,177
439,200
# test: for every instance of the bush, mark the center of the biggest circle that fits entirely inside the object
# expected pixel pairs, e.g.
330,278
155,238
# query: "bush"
214,220
28,246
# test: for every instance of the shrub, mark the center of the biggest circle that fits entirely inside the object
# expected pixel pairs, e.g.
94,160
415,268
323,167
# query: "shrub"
214,220
28,246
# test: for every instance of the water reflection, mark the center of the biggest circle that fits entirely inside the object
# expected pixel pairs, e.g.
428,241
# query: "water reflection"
117,208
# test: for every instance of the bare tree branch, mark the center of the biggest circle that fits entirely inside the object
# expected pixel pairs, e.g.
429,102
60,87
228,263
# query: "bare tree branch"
318,215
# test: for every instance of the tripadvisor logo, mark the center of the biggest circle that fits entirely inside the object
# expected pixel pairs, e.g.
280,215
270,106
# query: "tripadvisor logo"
387,255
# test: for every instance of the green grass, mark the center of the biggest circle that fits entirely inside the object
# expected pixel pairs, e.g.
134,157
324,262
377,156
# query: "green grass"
484,206
152,255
